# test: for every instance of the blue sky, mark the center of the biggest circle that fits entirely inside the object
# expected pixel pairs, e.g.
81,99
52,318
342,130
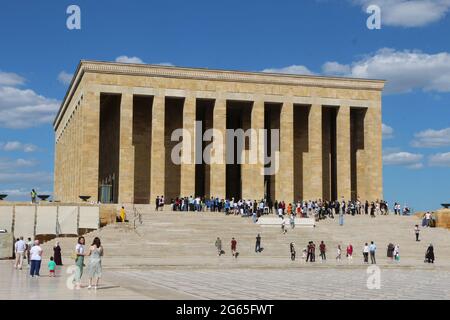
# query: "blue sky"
327,37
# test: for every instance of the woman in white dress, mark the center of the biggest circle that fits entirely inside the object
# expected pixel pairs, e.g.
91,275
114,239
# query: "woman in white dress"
94,267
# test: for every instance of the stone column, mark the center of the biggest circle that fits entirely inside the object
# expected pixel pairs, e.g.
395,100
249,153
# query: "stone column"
157,186
343,183
373,153
187,187
126,150
218,170
312,168
252,177
90,145
284,180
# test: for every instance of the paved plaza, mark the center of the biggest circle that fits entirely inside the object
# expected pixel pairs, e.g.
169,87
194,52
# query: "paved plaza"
302,282
172,256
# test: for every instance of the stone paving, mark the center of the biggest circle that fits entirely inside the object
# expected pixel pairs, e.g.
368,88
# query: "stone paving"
172,256
309,282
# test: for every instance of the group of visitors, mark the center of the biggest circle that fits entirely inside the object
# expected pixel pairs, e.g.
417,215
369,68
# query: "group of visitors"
318,209
94,267
309,252
33,252
428,220
159,203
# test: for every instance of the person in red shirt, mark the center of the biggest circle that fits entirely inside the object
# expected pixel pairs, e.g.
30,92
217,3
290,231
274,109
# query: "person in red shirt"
323,249
233,247
349,253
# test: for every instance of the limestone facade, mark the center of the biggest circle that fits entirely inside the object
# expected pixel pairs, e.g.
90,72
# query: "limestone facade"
114,129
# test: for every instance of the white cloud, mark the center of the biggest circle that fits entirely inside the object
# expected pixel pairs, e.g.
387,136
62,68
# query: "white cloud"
294,69
415,166
402,158
432,138
126,59
65,77
25,108
17,146
27,178
335,68
439,160
167,64
8,165
388,132
10,79
22,194
404,70
408,13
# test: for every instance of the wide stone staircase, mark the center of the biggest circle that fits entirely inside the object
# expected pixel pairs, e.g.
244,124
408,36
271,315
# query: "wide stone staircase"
173,240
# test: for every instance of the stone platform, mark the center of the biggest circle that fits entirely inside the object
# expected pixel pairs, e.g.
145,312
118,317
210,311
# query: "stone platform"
172,256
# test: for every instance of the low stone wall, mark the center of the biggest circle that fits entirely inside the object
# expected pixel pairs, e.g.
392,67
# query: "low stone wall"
108,214
6,245
443,218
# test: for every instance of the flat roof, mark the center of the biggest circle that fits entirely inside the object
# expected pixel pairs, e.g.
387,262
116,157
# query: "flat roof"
156,70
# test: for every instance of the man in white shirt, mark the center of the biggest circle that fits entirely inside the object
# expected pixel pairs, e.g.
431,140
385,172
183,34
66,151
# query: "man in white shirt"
20,248
36,258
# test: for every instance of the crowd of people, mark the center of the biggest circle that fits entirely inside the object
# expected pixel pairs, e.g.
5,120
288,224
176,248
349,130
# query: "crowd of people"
34,254
309,251
306,208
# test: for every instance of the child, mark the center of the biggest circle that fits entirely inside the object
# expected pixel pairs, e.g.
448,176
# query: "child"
304,254
51,267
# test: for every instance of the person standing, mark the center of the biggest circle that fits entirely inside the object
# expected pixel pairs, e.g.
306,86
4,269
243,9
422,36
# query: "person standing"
292,249
350,253
218,245
122,214
372,250
36,259
57,254
19,249
233,247
417,231
429,255
94,267
283,227
397,252
366,253
161,203
309,255
258,244
51,267
79,262
322,249
33,196
29,246
338,256
157,203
